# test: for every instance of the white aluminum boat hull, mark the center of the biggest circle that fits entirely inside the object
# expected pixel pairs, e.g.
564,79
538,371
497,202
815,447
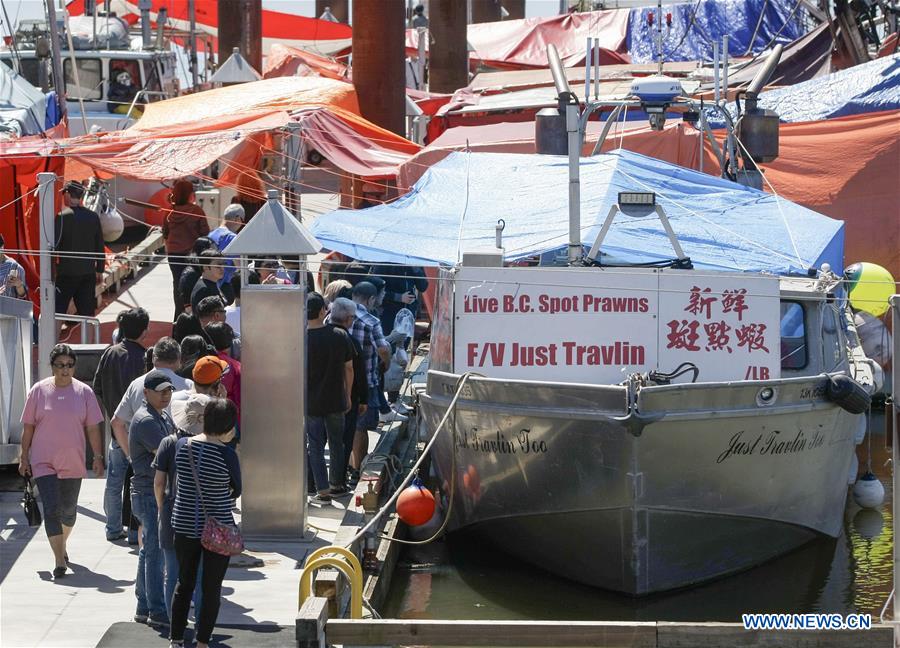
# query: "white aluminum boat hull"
700,481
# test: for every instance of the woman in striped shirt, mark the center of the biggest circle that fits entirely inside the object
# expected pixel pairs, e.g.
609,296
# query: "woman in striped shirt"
219,474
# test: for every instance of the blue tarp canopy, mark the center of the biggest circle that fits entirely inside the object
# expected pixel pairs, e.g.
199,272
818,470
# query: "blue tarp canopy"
751,25
868,87
455,206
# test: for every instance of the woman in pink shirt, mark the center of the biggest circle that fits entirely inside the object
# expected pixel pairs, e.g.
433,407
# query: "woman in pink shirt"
57,413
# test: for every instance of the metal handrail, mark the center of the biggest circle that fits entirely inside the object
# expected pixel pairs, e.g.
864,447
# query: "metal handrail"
84,322
146,93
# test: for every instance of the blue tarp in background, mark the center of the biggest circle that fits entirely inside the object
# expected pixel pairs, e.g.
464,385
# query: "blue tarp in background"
868,87
455,206
782,22
22,106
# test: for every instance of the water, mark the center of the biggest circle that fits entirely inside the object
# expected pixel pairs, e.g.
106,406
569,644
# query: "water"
466,578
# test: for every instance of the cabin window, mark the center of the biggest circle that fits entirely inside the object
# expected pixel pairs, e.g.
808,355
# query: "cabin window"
831,339
151,76
29,69
90,79
794,353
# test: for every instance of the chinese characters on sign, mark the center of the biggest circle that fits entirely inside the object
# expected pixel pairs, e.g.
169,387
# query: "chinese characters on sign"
683,333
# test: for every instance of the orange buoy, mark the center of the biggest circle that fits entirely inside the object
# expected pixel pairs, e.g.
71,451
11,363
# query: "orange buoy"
415,506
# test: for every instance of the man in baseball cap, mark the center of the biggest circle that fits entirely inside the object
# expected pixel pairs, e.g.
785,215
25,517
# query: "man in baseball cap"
150,425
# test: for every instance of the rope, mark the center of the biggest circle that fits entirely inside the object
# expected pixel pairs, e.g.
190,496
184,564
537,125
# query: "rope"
463,379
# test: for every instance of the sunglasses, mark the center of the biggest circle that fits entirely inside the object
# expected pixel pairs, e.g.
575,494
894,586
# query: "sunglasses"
64,365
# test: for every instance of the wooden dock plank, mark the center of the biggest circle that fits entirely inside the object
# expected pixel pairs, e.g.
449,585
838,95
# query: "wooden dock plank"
733,635
491,633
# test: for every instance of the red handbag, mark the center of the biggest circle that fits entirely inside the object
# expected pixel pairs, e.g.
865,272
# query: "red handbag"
223,539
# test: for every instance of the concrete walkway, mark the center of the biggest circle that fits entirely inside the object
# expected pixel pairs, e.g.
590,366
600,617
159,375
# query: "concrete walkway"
99,589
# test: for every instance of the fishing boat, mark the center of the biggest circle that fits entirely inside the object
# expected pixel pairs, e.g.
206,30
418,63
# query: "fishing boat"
663,393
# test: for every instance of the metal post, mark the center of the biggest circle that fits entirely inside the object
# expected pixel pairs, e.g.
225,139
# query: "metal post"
422,33
192,43
144,6
725,65
596,70
716,71
56,61
47,322
588,64
573,131
895,453
292,151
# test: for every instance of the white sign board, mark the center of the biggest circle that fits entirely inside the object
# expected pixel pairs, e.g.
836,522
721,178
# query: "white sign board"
597,326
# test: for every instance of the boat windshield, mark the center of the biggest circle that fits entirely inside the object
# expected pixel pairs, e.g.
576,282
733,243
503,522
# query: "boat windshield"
793,336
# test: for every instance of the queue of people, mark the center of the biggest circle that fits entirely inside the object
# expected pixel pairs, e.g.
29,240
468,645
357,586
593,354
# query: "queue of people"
174,409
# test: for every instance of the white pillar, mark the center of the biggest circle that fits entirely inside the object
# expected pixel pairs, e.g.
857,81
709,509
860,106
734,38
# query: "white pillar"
47,322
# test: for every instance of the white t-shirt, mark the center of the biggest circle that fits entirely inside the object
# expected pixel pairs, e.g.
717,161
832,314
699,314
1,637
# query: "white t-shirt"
134,395
233,318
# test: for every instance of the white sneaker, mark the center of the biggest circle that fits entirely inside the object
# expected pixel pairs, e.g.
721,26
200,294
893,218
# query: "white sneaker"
392,416
401,408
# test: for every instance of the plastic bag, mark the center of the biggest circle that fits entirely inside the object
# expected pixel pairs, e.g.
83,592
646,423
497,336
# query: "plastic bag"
405,322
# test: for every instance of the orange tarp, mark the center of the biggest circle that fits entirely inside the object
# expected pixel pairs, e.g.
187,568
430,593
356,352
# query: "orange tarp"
180,136
847,168
259,97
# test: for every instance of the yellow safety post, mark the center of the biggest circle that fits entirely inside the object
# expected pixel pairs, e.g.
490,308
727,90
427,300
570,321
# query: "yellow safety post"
346,563
341,551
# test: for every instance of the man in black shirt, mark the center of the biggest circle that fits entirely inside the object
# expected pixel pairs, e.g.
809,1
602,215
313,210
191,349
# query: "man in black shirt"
329,383
79,236
119,365
404,286
212,270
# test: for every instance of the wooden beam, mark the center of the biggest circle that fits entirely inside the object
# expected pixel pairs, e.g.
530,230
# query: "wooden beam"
704,635
817,13
310,623
610,634
491,633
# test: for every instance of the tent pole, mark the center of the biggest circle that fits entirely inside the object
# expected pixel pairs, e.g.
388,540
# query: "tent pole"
573,130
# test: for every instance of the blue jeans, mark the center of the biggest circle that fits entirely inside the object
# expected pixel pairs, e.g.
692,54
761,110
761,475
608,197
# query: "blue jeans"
149,588
320,429
116,466
171,559
369,420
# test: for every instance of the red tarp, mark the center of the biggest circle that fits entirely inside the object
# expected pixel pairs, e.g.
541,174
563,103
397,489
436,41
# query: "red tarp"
291,61
20,162
322,36
522,44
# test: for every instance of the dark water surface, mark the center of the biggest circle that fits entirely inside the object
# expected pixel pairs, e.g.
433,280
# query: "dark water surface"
467,578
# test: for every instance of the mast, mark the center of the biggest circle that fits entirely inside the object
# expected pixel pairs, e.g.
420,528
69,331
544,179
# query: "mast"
59,82
192,16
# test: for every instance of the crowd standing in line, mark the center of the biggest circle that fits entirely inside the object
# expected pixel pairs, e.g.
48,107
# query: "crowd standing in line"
174,410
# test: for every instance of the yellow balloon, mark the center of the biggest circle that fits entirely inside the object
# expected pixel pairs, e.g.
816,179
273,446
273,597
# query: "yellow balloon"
871,286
